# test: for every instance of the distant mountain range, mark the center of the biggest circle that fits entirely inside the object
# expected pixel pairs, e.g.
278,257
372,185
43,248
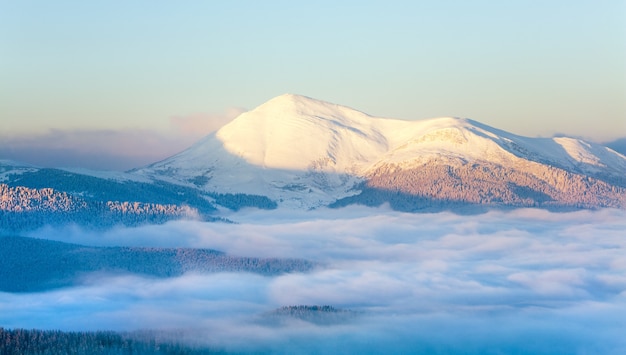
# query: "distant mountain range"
298,152
618,145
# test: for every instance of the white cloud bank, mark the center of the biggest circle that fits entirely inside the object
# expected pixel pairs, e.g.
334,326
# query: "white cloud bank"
524,281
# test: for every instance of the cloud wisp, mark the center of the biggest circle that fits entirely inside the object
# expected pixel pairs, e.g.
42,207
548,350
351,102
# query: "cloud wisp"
106,149
518,281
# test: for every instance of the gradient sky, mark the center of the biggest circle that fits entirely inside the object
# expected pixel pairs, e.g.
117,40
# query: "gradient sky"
170,72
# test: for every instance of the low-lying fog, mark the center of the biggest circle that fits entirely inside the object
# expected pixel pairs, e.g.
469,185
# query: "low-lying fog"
502,282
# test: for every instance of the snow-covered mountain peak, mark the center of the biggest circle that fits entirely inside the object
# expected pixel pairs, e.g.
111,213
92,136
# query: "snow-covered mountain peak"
305,153
298,133
303,105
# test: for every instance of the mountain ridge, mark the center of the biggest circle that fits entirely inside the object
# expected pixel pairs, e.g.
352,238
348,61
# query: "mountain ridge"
308,153
301,153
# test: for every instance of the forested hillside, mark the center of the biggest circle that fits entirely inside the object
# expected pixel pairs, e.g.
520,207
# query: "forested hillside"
29,265
23,208
438,184
55,342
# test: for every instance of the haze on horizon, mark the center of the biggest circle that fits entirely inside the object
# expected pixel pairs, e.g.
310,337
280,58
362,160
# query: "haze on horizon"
118,85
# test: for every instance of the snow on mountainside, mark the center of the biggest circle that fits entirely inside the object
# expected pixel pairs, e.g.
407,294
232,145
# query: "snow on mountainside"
290,132
302,152
306,153
468,139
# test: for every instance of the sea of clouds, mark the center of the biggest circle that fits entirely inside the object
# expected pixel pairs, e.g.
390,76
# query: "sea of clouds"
520,281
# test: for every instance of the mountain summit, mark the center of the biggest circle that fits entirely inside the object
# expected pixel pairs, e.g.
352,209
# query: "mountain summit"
306,153
292,132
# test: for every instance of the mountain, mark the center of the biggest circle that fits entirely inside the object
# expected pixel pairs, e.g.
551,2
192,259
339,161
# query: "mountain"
300,153
307,153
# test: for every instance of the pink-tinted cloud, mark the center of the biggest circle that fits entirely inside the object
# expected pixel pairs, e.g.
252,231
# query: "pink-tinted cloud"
111,149
93,149
201,124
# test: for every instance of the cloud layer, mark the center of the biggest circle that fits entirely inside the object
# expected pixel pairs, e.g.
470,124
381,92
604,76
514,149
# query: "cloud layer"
121,149
501,282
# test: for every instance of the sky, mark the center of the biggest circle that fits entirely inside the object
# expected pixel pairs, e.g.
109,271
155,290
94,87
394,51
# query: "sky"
118,84
524,281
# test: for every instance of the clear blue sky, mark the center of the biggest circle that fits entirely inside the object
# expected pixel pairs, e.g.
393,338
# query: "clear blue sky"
529,67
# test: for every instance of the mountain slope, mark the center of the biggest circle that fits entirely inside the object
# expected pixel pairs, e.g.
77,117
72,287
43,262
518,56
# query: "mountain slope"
463,161
31,197
306,153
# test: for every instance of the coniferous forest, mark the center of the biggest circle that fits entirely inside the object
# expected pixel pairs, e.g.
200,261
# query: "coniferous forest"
55,342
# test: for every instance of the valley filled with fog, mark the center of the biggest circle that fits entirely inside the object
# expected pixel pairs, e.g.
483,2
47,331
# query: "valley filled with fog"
517,281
